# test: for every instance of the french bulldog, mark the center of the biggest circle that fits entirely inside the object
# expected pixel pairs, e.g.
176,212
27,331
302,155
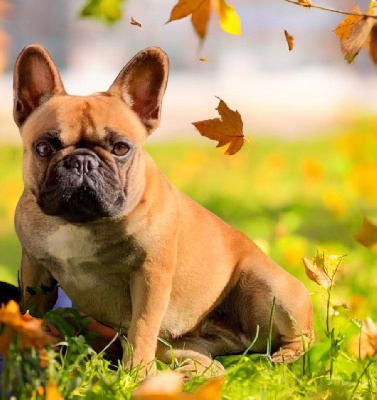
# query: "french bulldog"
98,218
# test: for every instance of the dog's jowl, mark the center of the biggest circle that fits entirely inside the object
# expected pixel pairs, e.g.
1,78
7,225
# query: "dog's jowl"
99,218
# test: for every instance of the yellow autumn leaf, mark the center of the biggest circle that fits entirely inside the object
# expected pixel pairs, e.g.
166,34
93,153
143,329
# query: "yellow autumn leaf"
305,3
200,11
226,130
368,235
322,268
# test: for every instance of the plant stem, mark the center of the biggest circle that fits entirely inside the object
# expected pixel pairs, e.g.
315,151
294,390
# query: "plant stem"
328,311
269,339
361,376
333,10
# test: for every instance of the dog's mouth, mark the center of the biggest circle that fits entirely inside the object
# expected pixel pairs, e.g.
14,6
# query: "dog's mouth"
81,189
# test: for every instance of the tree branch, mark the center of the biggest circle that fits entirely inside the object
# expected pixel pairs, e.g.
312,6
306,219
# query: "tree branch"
333,10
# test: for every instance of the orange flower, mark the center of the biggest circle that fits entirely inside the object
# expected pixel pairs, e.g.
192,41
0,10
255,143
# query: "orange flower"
28,328
365,344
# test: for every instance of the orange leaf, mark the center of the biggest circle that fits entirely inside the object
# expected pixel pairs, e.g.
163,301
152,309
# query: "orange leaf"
344,29
368,235
226,130
200,11
290,40
305,3
52,391
133,22
203,59
168,386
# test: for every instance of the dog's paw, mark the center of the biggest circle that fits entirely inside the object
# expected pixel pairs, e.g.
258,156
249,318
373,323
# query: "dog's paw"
192,368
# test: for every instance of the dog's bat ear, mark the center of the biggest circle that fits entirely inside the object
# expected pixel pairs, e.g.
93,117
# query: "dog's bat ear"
35,80
142,83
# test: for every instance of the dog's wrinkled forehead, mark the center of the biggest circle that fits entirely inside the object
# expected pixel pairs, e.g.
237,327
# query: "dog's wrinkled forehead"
88,119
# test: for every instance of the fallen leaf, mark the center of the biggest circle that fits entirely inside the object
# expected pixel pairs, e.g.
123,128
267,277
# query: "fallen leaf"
290,40
200,11
365,344
368,235
133,22
168,386
322,268
305,3
226,130
358,32
203,59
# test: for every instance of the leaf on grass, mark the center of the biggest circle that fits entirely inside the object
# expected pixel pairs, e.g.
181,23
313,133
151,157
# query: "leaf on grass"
322,268
108,11
305,3
226,130
200,11
168,386
368,235
358,32
290,40
133,22
365,344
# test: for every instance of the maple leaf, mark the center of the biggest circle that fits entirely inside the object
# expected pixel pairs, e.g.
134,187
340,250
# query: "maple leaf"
168,386
357,32
200,11
290,40
368,235
227,129
133,22
322,269
365,344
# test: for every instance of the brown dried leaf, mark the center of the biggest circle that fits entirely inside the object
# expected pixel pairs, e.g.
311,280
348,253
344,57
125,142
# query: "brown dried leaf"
358,32
226,130
133,22
368,235
290,40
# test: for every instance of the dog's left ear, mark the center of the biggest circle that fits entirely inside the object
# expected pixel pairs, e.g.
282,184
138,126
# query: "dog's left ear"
142,83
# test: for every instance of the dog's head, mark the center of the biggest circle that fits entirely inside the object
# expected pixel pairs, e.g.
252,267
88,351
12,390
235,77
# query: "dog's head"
83,156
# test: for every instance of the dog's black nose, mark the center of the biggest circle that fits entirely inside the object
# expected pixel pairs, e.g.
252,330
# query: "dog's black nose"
82,163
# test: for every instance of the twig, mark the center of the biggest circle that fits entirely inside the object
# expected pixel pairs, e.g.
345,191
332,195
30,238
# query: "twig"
333,10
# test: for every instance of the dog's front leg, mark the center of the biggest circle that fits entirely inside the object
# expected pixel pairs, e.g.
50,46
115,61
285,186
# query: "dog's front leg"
150,289
39,289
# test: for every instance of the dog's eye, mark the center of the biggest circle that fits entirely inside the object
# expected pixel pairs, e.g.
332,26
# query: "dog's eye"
120,149
44,149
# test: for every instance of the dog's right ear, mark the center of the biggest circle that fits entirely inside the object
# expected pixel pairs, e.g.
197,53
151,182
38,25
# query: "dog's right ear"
35,80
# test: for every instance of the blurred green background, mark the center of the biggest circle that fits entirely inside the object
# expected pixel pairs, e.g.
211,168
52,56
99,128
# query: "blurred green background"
291,197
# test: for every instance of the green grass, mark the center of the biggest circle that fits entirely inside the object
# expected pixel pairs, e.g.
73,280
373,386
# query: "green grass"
291,198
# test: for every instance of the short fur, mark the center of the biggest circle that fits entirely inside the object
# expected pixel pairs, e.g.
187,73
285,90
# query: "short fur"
129,248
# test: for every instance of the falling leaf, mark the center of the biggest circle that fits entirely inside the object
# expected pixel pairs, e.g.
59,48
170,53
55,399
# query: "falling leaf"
305,3
365,344
168,386
227,129
322,268
133,22
290,40
108,11
358,32
203,59
368,235
200,11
